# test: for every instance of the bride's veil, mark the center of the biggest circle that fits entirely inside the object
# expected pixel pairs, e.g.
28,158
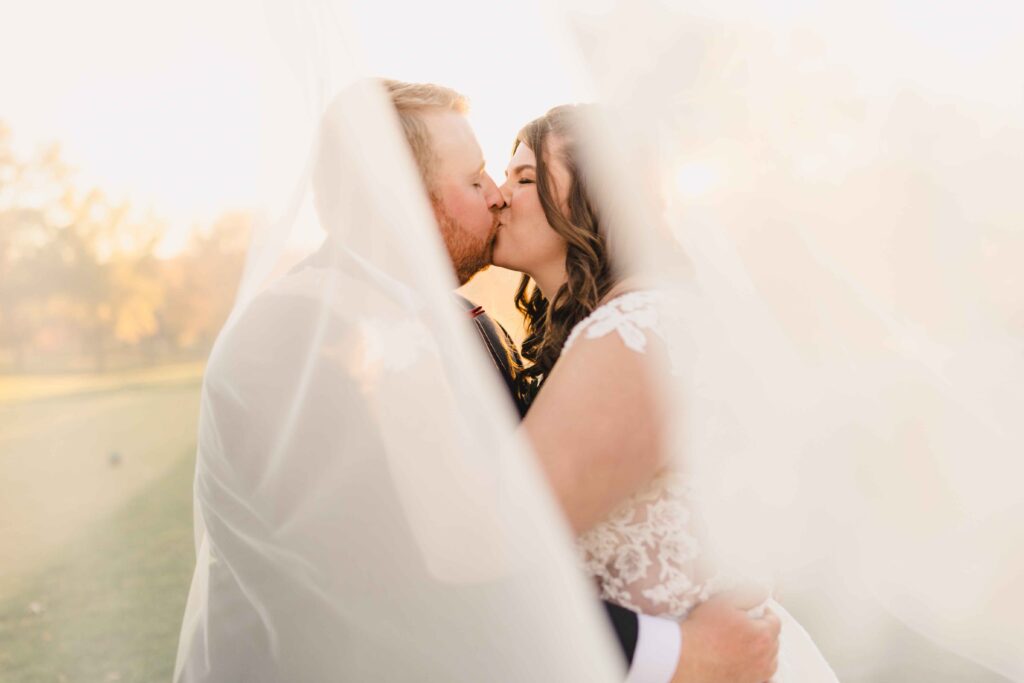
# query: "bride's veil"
365,509
846,317
849,316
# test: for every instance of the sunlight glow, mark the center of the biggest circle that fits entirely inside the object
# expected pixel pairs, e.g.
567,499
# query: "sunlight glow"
695,179
197,122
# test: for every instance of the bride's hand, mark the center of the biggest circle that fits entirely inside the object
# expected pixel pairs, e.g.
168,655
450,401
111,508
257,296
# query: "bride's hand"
752,597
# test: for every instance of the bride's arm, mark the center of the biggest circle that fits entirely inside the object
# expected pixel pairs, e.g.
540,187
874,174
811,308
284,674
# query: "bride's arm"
597,427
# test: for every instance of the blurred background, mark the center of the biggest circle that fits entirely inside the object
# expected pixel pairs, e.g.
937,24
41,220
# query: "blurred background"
122,238
137,148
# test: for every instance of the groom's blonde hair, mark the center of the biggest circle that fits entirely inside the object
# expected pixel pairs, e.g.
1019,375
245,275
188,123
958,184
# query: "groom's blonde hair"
411,101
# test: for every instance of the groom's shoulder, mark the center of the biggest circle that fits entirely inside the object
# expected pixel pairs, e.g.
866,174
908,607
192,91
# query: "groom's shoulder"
280,308
276,327
308,307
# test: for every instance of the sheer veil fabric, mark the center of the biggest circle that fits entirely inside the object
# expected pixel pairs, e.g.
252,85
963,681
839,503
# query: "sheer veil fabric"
842,314
365,509
846,317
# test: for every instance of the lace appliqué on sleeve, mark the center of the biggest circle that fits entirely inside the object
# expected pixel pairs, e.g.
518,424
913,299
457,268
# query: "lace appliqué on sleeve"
630,315
643,555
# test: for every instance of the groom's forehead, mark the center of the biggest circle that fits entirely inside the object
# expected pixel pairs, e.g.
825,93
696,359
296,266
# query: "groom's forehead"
453,140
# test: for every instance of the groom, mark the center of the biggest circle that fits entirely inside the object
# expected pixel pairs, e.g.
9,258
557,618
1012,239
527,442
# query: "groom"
718,642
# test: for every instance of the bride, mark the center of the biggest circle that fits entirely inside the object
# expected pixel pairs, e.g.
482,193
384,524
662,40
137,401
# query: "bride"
593,334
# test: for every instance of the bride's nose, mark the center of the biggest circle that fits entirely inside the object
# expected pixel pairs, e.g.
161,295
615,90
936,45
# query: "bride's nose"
495,198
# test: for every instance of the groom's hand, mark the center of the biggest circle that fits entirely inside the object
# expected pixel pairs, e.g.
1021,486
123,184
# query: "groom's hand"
723,644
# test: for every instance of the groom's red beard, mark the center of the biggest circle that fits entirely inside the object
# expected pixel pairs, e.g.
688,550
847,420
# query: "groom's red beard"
469,256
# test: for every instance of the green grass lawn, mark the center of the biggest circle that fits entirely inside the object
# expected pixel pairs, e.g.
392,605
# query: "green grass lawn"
102,600
110,609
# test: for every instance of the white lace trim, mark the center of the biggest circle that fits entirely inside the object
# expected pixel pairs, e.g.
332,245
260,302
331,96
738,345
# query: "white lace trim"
644,555
629,315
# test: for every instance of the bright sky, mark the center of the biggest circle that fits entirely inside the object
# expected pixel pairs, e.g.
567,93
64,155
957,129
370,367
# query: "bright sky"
166,103
169,103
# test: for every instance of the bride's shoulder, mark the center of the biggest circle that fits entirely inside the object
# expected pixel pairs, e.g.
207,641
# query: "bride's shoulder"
633,315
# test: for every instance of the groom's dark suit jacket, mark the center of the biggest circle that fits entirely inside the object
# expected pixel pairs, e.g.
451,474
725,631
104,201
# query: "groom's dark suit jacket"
505,356
503,352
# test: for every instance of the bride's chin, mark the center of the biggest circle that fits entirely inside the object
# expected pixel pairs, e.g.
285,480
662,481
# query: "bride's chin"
504,256
497,260
506,263
500,259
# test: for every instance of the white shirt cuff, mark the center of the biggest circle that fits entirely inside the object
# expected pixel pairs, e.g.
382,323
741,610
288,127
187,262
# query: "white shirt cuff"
657,650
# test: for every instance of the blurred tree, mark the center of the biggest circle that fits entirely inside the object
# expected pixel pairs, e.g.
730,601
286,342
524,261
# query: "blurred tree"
79,277
202,280
32,195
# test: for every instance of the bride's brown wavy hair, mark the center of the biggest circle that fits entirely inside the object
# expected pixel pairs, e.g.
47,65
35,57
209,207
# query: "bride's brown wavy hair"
588,266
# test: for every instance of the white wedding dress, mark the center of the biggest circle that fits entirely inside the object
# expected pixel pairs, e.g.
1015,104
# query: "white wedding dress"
647,555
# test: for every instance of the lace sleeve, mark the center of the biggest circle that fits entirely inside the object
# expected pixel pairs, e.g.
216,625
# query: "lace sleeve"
645,555
631,315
